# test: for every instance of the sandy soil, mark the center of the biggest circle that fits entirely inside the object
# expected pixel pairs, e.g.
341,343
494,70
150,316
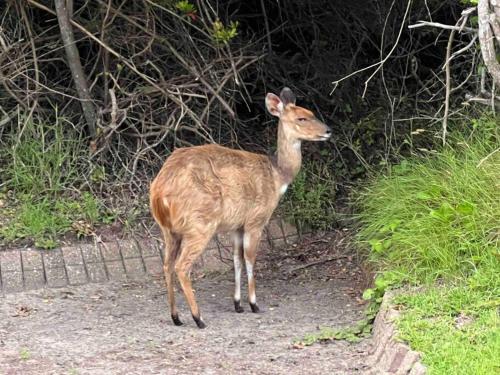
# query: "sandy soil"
126,328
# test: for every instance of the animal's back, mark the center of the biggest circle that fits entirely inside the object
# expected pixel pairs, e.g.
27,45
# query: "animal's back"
215,186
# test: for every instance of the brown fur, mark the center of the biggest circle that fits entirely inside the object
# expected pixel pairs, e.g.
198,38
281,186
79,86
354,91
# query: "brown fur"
213,187
208,189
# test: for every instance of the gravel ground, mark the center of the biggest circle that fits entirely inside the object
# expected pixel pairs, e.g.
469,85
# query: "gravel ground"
118,328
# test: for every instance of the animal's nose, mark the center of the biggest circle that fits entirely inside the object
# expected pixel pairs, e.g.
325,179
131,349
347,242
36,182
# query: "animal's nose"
328,132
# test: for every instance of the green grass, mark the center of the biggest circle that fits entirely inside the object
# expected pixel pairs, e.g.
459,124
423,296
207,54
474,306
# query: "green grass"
353,333
435,222
456,327
44,165
43,221
43,159
438,216
24,354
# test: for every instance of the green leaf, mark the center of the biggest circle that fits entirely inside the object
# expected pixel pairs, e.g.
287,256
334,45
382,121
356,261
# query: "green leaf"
423,196
368,294
386,243
391,227
465,208
445,212
376,245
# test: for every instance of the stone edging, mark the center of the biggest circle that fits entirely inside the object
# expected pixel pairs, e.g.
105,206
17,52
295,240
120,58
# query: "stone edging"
390,356
127,259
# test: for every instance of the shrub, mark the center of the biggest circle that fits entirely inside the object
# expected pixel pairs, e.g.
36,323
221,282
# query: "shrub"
310,200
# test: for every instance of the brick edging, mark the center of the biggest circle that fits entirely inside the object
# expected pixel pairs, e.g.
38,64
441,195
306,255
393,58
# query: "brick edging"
388,355
129,259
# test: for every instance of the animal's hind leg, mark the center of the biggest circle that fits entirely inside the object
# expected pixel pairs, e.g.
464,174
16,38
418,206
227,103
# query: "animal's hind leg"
238,267
251,241
192,245
172,244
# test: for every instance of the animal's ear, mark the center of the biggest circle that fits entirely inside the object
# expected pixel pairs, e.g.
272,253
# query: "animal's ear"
274,105
287,96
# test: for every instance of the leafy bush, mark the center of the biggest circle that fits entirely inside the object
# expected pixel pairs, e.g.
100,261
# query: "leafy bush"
223,34
309,201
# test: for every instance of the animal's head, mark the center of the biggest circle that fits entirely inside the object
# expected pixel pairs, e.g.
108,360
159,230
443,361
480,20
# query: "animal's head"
297,122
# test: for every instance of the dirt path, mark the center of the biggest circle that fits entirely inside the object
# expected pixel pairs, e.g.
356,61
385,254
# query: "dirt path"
117,328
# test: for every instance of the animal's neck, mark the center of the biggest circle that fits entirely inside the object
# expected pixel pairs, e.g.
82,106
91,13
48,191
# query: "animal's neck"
289,156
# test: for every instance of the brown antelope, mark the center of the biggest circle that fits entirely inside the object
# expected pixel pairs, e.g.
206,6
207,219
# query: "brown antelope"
207,189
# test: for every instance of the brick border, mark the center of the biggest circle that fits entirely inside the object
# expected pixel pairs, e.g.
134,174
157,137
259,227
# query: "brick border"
388,355
120,260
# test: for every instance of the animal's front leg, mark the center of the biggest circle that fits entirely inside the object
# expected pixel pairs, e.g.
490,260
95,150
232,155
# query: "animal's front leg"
251,240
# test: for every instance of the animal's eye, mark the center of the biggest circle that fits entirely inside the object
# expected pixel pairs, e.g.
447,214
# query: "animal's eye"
302,119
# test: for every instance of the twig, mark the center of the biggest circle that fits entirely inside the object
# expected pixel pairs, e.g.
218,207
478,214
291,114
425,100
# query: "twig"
124,60
266,23
33,51
447,85
382,62
377,64
179,57
442,26
307,265
487,157
462,50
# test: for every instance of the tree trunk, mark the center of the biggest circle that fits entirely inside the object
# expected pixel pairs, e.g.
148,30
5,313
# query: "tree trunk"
488,21
75,65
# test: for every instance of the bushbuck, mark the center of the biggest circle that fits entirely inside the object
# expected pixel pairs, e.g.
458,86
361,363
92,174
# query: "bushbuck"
203,190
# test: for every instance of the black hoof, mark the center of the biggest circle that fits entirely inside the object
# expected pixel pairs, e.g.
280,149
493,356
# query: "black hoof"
255,308
176,320
237,307
199,322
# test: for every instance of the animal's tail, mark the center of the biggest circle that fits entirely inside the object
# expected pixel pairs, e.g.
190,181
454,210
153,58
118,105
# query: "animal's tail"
161,212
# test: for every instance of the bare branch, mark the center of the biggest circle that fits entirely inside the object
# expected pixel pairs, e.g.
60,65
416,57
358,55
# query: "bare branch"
75,65
442,26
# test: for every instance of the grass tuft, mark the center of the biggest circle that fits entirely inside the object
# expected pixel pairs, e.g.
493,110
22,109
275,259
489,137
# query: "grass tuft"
436,217
43,159
40,197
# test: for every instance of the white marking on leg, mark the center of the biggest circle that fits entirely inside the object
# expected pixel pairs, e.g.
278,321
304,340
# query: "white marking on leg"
249,269
297,145
249,266
238,266
283,189
237,276
237,240
246,241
